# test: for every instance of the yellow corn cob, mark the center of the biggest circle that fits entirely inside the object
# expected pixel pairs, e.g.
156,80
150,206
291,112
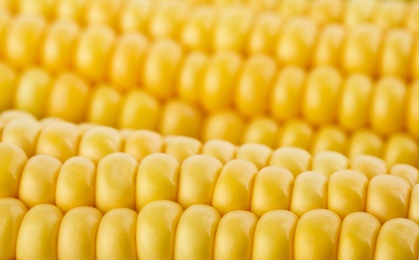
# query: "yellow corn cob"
255,179
163,229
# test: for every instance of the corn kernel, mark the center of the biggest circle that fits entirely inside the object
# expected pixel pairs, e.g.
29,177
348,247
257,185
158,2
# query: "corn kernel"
12,212
358,236
297,133
38,180
197,28
413,213
256,153
329,45
220,149
76,184
12,163
412,110
166,20
398,238
135,16
100,141
401,148
233,190
347,192
23,133
309,192
157,179
328,162
294,159
317,235
7,86
59,139
156,230
369,165
32,90
72,10
408,172
141,143
285,100
271,190
182,147
103,12
77,234
329,138
263,33
234,236
58,45
126,60
365,142
359,11
389,14
116,235
38,232
263,130
290,8
411,21
274,235
253,87
225,125
195,233
326,11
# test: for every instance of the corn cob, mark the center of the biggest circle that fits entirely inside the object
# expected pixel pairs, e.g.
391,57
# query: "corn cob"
256,180
199,232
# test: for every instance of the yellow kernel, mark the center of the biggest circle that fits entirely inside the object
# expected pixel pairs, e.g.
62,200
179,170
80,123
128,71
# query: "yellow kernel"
23,133
32,91
195,233
71,10
12,212
233,190
408,172
135,16
263,130
191,73
285,100
398,238
38,232
317,235
326,11
361,49
7,86
296,43
23,40
359,12
369,165
68,98
290,8
58,45
263,33
234,238
309,192
320,99
103,12
329,138
92,52
59,139
197,29
139,110
254,85
328,162
396,53
76,184
413,212
77,233
256,153
182,147
218,84
156,230
365,142
388,197
329,45
179,118
387,105
115,182
41,7
347,192
222,150
127,60
12,162
274,235
294,159
157,179
116,235
197,180
271,190
232,27
412,17
100,141
296,133
225,125
104,105
389,14
401,148
358,236
141,143
166,20
38,180
354,101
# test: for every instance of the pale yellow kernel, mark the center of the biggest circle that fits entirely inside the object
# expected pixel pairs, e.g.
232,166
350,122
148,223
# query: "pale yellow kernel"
263,33
135,16
103,12
401,148
141,143
182,147
329,138
294,159
220,149
365,142
23,133
328,162
225,125
297,133
166,19
12,162
412,109
197,29
396,53
7,86
408,172
263,130
329,45
369,165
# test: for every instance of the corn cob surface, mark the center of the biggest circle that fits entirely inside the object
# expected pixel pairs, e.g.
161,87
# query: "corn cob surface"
199,129
163,229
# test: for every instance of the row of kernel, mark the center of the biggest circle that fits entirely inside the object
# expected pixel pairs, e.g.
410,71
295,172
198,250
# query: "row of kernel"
254,86
64,139
295,41
44,232
162,17
119,180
